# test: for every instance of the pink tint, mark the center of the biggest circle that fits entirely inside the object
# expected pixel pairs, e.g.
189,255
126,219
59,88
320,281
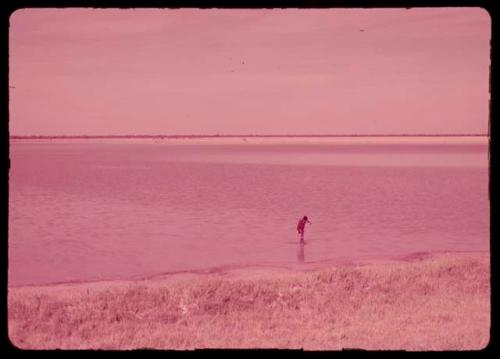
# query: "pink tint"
86,211
345,71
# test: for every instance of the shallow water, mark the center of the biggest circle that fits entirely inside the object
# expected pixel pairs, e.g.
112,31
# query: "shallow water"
90,210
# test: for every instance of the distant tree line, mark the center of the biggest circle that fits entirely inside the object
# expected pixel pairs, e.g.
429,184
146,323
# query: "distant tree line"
233,135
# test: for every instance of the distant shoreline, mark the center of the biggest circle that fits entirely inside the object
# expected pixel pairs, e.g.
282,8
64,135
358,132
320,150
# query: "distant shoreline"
32,137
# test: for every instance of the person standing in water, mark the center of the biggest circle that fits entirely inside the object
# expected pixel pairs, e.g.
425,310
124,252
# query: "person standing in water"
301,226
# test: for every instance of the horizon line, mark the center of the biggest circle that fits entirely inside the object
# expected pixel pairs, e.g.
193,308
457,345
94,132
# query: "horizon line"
239,135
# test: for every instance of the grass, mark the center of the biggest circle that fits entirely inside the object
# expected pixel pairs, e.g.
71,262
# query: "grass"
436,303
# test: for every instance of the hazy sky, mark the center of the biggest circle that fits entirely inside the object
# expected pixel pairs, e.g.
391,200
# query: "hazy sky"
325,71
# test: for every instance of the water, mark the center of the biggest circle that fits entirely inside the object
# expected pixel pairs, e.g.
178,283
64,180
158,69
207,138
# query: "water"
90,210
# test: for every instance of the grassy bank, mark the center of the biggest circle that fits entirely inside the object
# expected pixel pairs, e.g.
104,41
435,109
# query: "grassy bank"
436,303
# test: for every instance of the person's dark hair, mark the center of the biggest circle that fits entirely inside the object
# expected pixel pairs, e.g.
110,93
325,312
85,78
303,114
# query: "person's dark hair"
305,217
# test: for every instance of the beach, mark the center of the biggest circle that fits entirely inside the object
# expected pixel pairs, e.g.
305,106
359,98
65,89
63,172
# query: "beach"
157,187
416,303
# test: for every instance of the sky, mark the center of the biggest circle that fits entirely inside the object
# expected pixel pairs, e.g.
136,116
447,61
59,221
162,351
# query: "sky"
255,71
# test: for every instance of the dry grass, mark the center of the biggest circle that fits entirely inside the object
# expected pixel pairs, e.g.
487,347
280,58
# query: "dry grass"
438,303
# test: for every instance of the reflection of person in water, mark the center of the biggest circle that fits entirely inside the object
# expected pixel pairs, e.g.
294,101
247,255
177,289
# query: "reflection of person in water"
300,253
301,226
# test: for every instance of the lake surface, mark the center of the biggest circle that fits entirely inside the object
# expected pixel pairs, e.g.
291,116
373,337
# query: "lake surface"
94,210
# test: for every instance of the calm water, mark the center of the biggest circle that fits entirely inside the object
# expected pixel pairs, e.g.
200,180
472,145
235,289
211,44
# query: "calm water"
107,210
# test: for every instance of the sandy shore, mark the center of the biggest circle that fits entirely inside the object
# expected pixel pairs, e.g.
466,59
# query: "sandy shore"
430,302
